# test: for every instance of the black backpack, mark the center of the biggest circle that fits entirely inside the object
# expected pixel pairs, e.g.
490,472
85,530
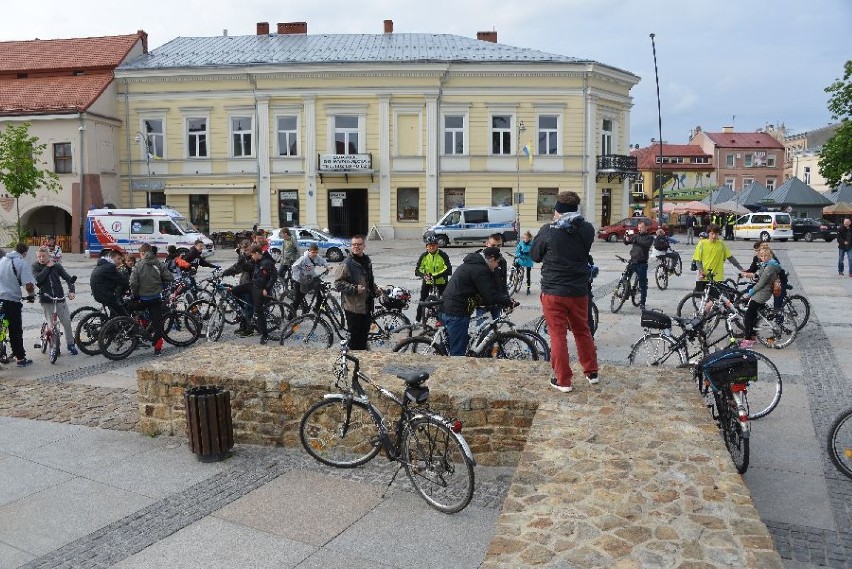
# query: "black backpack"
661,243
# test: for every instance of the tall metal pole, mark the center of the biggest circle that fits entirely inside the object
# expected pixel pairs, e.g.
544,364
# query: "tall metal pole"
660,125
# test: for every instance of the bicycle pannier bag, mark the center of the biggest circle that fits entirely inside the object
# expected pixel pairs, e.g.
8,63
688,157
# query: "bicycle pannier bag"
733,365
655,319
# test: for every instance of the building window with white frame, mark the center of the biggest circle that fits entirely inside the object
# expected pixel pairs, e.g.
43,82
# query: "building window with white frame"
729,160
241,130
154,131
454,134
606,137
748,160
288,136
346,134
548,135
407,204
196,139
806,175
501,135
770,161
770,184
730,182
747,182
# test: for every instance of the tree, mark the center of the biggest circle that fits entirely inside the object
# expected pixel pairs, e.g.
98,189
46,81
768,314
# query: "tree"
20,168
835,163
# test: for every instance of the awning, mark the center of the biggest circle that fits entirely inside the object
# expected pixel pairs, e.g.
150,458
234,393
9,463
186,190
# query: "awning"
193,190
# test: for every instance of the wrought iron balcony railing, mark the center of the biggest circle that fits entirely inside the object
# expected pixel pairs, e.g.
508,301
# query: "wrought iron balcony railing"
617,166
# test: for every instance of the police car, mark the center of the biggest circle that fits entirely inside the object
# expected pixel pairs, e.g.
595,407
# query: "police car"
332,248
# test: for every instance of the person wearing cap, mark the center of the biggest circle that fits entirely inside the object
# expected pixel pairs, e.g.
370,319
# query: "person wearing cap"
434,268
471,285
563,248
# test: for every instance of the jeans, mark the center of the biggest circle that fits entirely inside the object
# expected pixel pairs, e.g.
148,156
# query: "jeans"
641,270
569,312
456,327
690,235
841,254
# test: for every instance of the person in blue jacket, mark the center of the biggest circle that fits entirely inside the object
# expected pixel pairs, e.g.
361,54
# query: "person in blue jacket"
522,256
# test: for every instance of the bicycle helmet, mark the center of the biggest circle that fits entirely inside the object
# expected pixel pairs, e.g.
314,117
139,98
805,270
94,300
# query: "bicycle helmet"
430,240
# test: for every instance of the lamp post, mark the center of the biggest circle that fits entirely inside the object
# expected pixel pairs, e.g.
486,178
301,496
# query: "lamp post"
521,129
660,125
142,139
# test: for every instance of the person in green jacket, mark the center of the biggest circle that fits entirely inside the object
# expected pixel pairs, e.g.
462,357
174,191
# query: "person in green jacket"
435,269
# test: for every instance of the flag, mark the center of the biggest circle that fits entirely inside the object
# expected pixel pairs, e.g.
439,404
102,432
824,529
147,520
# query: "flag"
527,150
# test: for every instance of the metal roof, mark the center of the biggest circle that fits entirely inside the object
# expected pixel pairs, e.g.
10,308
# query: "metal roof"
275,49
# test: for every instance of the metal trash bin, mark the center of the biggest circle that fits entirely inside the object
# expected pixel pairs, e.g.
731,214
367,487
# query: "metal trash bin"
208,422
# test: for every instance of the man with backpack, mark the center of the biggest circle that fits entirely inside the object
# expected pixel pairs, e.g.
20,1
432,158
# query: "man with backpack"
14,274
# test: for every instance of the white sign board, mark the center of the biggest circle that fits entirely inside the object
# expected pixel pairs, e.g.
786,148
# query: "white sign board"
336,202
344,162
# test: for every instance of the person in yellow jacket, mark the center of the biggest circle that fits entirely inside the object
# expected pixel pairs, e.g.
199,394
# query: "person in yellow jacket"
434,268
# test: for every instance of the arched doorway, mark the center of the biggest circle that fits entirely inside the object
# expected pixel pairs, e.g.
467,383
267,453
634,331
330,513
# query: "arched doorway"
48,220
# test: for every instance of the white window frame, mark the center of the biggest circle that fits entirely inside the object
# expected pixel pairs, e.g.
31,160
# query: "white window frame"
288,132
770,184
156,140
748,160
806,175
770,161
731,183
607,135
205,132
730,160
549,134
242,134
747,181
346,132
503,133
454,132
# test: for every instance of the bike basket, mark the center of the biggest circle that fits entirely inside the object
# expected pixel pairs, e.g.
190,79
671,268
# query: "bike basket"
395,298
655,319
733,365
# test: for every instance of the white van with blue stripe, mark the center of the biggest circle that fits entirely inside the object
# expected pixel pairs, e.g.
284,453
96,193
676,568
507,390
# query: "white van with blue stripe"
474,225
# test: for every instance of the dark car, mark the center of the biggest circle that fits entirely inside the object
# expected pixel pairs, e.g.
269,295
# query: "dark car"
810,229
616,231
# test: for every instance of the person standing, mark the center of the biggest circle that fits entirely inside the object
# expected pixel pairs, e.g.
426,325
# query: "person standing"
691,223
356,284
146,284
14,274
844,246
289,253
709,258
305,274
471,285
730,219
48,277
522,256
639,253
563,248
434,269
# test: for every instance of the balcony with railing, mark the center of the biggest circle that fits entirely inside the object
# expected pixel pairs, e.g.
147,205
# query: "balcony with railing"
617,166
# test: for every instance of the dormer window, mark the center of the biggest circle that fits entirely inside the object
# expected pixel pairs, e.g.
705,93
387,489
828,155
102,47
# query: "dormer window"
22,75
78,73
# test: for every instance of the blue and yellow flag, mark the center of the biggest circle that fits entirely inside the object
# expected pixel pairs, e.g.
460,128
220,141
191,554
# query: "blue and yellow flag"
528,152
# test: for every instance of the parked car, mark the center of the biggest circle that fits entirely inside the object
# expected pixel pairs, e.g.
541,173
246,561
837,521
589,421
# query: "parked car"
810,229
764,225
332,248
616,231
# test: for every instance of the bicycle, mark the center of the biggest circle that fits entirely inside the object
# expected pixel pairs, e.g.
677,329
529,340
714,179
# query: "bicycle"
627,287
5,348
669,263
515,280
228,308
120,336
657,347
50,337
840,442
346,430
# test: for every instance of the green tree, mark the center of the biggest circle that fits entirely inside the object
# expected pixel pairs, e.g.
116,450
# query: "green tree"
835,163
20,168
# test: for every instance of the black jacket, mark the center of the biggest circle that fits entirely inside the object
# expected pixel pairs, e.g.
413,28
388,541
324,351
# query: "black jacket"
563,250
194,258
49,281
107,283
641,246
243,267
844,237
472,285
264,274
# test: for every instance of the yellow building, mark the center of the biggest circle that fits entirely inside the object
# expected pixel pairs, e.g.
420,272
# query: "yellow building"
355,132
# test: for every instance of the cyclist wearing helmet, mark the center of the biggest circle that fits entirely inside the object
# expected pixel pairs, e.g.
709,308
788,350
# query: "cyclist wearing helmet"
434,268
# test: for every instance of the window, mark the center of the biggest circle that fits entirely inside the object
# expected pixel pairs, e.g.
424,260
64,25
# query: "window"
62,158
288,136
606,137
748,161
454,134
501,196
730,182
501,134
729,160
156,199
770,184
155,134
700,160
453,197
548,134
408,204
671,160
241,129
196,142
476,216
806,176
346,134
770,161
198,212
168,228
142,226
747,182
546,203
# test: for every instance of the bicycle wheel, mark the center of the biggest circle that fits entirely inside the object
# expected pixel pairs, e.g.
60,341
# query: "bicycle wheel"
619,295
437,465
594,321
517,279
55,337
118,338
510,346
83,311
275,314
772,332
732,433
689,305
678,266
656,350
383,322
800,308
635,296
418,345
215,325
840,442
542,345
661,275
307,330
764,391
43,339
340,432
181,328
4,353
202,309
88,331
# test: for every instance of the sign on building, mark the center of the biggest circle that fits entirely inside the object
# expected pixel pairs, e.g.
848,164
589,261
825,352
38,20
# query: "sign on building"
345,162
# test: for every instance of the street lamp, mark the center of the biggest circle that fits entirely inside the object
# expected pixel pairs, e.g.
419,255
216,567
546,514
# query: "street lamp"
521,129
142,139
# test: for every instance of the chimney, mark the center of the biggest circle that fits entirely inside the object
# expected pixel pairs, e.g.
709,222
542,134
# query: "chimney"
388,26
263,28
143,35
727,129
289,28
487,36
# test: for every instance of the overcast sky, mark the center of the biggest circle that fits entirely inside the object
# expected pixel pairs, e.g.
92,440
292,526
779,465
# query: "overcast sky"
721,62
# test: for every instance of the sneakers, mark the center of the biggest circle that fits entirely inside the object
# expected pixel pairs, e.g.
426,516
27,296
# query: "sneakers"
72,349
747,343
593,378
244,333
264,339
528,291
24,362
562,388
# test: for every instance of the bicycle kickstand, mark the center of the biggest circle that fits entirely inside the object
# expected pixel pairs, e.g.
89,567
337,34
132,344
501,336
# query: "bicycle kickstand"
391,481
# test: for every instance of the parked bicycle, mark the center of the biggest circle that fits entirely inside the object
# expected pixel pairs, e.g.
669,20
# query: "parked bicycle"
345,430
50,337
627,287
840,442
120,336
668,263
515,278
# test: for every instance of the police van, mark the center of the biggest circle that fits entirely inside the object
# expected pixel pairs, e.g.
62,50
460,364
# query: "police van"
474,224
764,225
127,229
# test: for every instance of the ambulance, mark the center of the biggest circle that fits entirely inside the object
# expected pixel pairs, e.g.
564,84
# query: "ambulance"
127,229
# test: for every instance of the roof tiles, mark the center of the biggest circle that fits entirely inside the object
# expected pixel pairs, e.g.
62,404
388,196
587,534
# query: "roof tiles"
744,140
51,94
62,54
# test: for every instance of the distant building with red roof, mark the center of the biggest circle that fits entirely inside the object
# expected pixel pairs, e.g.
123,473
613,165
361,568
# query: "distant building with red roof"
687,174
743,157
65,89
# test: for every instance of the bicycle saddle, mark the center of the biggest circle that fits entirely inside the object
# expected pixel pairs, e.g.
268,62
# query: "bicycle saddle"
413,378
